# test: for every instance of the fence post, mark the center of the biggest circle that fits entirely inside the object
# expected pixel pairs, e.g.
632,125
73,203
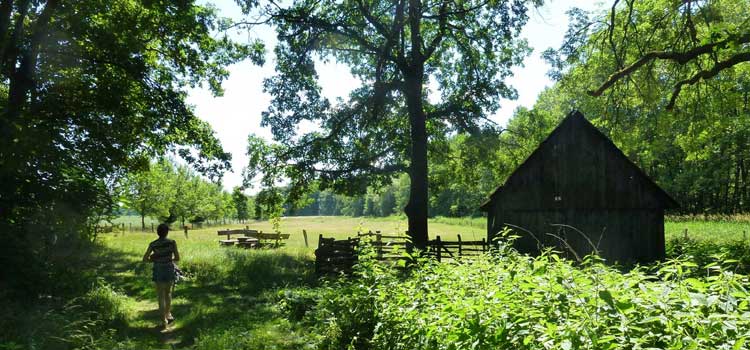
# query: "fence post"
152,227
304,234
379,244
686,233
186,231
438,247
320,239
460,251
484,245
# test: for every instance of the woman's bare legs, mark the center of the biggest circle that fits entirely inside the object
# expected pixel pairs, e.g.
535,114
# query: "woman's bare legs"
164,294
168,301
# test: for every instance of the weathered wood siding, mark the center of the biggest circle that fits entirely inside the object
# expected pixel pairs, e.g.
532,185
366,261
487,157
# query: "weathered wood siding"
624,236
578,177
577,167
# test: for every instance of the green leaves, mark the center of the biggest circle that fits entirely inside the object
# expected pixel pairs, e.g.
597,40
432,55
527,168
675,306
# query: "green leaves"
501,302
467,47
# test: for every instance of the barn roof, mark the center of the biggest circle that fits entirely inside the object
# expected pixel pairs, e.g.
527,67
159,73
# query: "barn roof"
580,134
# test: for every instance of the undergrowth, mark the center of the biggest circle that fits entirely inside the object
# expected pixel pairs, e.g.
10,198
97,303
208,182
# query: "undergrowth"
85,322
706,254
271,299
512,301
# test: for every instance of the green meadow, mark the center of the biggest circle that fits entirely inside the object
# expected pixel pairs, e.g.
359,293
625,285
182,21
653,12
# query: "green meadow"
712,231
230,294
235,298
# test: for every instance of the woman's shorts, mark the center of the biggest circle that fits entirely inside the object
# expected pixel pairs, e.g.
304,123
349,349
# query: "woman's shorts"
164,272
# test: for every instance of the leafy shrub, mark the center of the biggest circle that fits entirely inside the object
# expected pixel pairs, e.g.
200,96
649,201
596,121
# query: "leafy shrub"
512,301
296,303
86,322
706,254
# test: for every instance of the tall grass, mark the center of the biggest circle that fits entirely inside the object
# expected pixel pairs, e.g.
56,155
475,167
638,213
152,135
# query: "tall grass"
711,231
85,322
270,298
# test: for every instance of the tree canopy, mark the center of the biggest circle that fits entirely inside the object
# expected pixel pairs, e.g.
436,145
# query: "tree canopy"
89,90
398,50
676,44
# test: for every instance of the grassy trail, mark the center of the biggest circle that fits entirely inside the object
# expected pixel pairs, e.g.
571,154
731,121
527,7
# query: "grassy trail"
231,294
229,289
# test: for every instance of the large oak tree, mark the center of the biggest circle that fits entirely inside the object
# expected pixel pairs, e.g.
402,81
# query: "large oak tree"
399,50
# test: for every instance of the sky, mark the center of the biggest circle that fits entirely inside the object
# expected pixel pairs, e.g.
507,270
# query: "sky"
237,113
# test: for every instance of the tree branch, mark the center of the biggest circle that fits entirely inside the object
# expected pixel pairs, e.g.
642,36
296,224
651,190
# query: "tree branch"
679,57
707,74
380,27
612,24
457,12
442,24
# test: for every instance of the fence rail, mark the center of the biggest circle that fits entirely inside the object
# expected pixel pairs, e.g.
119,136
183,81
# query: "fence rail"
340,255
151,227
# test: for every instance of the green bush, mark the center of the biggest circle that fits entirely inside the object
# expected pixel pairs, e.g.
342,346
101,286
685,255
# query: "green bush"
512,301
86,322
734,254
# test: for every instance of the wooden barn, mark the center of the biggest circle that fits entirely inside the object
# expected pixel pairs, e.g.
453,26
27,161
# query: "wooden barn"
578,191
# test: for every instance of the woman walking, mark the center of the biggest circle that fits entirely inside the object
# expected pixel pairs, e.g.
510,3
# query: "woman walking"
163,253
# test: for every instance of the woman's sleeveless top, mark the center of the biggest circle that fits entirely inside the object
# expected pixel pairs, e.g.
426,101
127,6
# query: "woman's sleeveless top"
163,249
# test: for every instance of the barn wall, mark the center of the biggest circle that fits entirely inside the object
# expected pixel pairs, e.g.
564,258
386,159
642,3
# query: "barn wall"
623,236
577,167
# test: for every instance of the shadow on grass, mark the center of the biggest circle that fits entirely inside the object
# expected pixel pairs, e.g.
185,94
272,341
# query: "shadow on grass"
235,289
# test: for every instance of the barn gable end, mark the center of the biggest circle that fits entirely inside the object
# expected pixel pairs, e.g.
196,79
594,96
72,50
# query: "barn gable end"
578,167
576,188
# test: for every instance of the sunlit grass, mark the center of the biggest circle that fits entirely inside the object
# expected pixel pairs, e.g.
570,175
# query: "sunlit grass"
714,231
231,294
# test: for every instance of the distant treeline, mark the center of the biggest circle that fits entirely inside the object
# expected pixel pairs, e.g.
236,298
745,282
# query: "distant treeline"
379,202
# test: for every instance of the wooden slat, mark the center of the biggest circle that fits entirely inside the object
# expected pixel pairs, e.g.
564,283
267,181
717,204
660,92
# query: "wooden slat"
370,234
391,243
340,255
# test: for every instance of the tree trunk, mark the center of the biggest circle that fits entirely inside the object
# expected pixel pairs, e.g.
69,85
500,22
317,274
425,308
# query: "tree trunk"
416,209
143,222
6,8
22,80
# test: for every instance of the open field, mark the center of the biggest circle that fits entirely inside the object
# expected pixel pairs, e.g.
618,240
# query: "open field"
714,231
339,227
231,294
134,220
469,228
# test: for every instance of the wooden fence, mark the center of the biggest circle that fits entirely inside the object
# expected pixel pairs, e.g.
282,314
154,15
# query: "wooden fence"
440,249
151,227
333,256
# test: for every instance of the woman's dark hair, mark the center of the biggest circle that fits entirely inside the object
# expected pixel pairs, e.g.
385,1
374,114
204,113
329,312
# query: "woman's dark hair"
162,230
